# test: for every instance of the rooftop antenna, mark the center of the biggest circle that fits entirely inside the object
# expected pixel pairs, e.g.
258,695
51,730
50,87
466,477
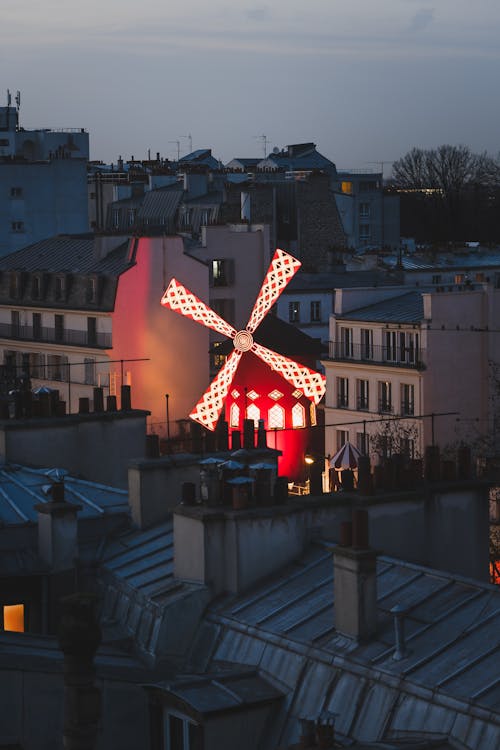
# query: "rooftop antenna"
9,98
190,139
265,141
381,164
18,100
178,148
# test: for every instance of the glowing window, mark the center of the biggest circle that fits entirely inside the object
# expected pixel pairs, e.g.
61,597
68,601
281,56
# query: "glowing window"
276,417
253,412
346,187
235,393
297,393
234,419
298,416
312,411
276,395
252,395
13,618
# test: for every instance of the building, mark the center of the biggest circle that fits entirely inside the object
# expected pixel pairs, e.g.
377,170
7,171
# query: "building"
81,311
370,215
395,353
43,177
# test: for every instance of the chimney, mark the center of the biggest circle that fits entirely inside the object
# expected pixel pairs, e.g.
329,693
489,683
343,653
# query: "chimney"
57,529
245,208
355,576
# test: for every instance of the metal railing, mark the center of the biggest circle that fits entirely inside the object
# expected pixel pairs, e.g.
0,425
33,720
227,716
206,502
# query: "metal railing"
97,340
375,354
407,408
385,407
363,403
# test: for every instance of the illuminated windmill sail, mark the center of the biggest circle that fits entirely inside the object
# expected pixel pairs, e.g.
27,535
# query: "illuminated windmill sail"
281,270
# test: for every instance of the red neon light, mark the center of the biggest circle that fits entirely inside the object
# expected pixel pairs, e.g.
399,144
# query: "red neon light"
179,299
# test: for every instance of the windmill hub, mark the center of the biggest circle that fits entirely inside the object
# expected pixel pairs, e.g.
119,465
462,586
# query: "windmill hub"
243,341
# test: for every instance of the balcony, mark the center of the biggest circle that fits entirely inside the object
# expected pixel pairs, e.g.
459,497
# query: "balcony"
407,408
385,407
63,337
377,355
363,403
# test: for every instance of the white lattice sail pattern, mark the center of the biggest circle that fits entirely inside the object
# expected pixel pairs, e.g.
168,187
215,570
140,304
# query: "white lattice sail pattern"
208,409
282,269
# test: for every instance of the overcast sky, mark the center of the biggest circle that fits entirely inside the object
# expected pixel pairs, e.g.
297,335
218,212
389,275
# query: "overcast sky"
366,80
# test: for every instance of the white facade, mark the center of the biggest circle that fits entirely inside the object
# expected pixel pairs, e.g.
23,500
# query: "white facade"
388,378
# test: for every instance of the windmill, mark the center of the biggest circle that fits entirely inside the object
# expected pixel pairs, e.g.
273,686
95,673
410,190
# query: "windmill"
208,409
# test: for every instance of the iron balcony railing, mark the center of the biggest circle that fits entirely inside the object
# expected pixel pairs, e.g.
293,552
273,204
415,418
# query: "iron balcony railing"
65,336
392,356
407,408
385,407
363,403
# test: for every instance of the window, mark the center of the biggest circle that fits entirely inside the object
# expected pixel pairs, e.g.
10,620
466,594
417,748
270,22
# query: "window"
59,287
90,291
362,395
89,371
35,287
362,442
37,326
346,342
459,278
15,322
364,210
14,285
253,413
13,618
407,399
234,416
298,416
16,192
411,351
408,447
384,396
364,231
217,359
221,272
59,327
91,331
36,364
342,438
294,312
342,393
391,346
315,311
115,218
366,343
276,418
436,279
180,733
346,187
17,226
131,217
57,367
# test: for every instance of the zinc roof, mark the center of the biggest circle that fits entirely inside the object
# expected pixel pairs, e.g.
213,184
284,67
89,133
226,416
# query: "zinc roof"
65,254
405,308
21,488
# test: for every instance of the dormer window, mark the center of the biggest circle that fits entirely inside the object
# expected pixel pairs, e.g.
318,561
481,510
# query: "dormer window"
91,290
14,285
36,287
60,287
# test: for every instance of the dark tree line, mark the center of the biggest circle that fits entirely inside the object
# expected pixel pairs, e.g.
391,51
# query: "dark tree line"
448,194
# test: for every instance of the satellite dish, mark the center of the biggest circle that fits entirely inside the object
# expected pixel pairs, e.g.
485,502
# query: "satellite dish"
276,150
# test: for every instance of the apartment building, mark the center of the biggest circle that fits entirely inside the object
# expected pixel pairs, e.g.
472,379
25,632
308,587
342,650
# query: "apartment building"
79,311
43,176
410,368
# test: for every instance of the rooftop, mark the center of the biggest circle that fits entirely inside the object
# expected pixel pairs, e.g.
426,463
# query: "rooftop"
405,308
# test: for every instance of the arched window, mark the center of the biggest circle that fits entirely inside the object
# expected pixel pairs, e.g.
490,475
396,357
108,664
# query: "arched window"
234,416
276,418
253,412
298,416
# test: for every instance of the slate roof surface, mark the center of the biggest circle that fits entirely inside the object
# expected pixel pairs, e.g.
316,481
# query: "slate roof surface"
285,627
144,559
160,204
405,308
442,262
338,280
21,490
66,253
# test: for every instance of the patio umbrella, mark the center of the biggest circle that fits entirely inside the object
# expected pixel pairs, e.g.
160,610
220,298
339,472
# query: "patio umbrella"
346,457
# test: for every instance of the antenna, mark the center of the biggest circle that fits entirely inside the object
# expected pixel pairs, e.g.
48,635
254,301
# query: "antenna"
381,164
178,148
18,100
9,98
265,141
190,139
